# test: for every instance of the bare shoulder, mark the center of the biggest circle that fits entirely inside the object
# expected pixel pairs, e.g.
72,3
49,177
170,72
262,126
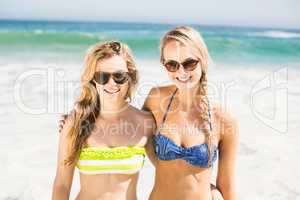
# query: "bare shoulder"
162,90
140,114
226,121
145,119
157,96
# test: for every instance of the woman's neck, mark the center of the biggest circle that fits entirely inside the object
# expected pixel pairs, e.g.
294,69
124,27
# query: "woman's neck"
112,109
188,98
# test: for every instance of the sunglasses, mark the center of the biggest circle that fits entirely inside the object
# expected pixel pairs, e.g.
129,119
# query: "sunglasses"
189,65
120,77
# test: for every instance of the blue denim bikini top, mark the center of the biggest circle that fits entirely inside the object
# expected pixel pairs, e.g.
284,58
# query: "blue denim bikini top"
197,155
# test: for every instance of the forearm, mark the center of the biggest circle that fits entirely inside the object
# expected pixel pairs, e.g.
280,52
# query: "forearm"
60,192
228,192
150,153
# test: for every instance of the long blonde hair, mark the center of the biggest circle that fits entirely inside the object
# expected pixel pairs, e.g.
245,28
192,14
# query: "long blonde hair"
188,36
87,106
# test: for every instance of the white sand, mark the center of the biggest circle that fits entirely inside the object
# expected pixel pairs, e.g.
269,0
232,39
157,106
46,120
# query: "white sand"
267,162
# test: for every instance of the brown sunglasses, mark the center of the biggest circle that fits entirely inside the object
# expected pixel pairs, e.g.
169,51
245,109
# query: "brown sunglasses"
189,65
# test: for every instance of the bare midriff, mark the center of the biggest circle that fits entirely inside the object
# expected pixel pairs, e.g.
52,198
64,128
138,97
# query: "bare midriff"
108,187
177,180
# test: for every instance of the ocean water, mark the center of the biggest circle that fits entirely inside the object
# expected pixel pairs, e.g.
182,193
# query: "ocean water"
226,44
255,73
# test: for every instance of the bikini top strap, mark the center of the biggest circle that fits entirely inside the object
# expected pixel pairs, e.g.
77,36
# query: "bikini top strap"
168,107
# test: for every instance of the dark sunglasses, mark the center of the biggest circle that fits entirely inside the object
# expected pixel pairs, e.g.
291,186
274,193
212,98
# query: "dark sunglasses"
189,65
120,77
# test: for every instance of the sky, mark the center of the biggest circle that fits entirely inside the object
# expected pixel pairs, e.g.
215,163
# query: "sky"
258,13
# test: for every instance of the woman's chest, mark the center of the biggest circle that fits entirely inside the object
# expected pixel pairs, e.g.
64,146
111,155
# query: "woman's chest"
187,129
118,133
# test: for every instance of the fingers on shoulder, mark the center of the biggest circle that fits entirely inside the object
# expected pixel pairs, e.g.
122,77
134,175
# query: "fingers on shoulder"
66,126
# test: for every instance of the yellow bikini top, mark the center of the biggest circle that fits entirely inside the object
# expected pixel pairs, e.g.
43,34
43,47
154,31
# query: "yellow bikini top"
111,160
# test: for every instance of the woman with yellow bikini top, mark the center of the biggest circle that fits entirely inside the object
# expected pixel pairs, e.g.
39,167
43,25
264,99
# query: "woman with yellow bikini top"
98,137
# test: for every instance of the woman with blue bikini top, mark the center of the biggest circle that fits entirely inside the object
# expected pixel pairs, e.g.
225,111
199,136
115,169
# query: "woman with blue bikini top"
190,130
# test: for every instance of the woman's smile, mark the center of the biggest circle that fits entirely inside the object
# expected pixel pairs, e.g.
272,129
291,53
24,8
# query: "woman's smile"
183,79
112,91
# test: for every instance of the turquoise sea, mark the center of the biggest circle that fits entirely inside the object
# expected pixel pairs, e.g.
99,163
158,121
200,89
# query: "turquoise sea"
226,44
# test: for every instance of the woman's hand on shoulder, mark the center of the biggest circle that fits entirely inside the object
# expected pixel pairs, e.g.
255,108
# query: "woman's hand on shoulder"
62,122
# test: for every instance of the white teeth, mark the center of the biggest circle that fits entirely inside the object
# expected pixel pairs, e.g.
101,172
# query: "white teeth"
111,91
183,79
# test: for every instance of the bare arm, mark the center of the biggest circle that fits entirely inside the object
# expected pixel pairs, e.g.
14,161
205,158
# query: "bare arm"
64,173
149,147
149,106
227,147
